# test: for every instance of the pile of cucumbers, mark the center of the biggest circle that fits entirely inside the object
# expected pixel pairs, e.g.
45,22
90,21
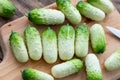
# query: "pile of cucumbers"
67,43
92,9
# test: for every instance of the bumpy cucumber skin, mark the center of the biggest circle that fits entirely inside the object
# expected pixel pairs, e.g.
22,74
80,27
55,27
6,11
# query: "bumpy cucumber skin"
98,40
90,11
93,68
71,13
7,9
113,62
49,41
67,68
18,47
66,38
81,40
104,5
33,41
43,16
32,74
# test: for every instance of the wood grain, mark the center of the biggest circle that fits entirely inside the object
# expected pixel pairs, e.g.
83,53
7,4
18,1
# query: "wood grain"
10,68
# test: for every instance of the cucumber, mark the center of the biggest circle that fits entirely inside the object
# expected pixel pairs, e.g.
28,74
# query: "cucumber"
98,40
113,62
43,16
81,40
49,41
67,68
7,9
104,5
71,13
90,11
18,47
93,68
66,38
33,42
33,74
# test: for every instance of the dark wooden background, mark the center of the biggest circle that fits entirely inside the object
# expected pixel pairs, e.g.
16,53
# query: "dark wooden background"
24,6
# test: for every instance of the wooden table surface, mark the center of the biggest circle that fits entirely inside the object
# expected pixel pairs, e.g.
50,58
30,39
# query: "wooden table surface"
24,6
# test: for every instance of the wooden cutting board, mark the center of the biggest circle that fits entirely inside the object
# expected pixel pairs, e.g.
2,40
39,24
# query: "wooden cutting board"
10,68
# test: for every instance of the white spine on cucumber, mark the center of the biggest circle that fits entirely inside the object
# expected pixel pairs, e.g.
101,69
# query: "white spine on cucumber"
113,62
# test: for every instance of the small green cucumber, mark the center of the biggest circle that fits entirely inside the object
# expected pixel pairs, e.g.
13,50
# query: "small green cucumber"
33,74
18,47
71,13
33,42
43,16
49,42
67,68
7,9
93,68
113,62
90,11
66,38
104,5
81,40
98,40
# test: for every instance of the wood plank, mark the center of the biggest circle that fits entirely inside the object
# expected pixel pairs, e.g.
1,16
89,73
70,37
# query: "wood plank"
10,68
